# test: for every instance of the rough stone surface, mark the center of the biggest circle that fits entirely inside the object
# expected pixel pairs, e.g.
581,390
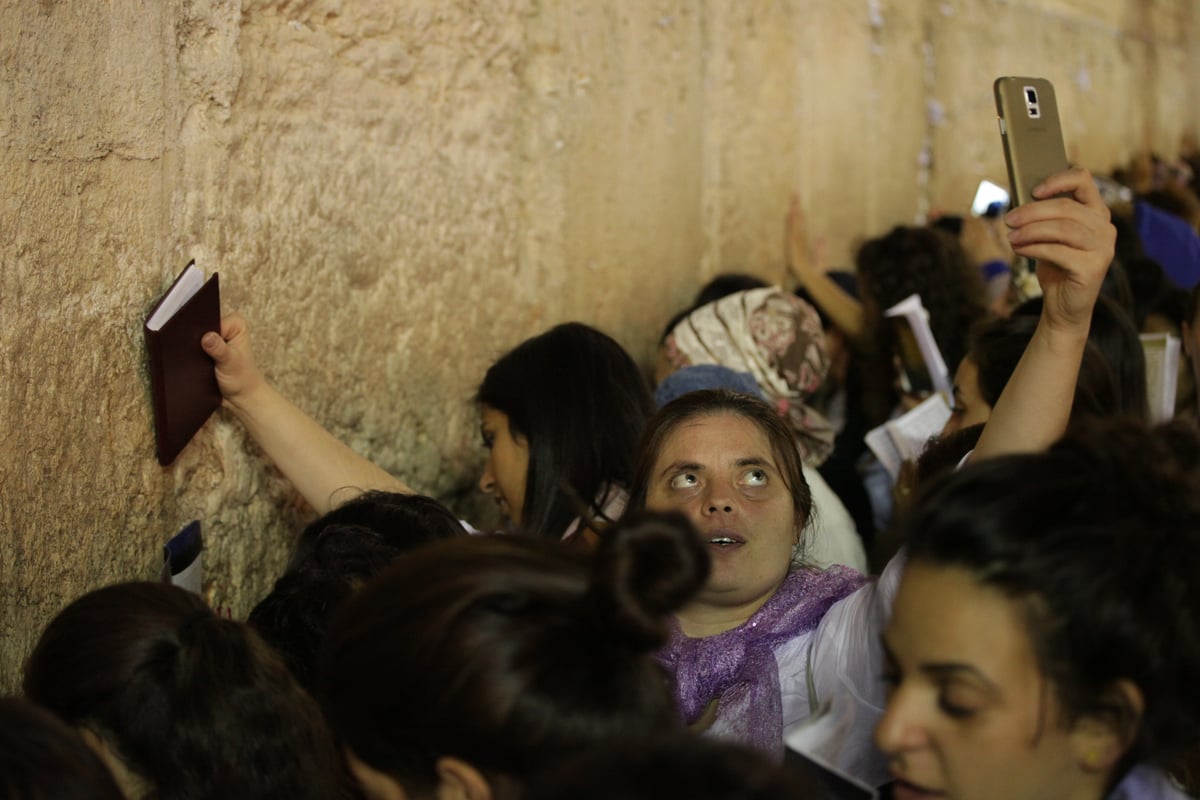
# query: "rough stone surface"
397,191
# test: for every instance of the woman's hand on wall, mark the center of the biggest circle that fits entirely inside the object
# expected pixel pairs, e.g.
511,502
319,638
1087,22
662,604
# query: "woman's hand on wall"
808,264
324,470
806,258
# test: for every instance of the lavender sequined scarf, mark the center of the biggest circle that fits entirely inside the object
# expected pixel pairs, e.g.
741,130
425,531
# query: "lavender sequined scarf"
1144,782
738,667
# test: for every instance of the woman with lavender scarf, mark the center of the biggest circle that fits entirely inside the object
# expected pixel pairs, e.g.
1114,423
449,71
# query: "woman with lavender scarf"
773,649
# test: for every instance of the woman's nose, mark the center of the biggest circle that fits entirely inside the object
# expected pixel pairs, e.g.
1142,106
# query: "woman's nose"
487,481
719,501
899,728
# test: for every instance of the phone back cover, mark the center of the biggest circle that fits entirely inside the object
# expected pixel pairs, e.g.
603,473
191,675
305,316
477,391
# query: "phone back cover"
1033,147
183,384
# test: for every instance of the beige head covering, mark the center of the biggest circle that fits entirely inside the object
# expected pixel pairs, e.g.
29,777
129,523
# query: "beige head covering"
777,338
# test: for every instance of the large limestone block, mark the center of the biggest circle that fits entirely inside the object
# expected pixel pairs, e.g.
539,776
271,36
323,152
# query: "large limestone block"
395,192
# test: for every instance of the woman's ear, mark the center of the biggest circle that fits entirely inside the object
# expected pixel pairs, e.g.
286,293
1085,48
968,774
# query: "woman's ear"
130,783
1100,739
376,785
458,780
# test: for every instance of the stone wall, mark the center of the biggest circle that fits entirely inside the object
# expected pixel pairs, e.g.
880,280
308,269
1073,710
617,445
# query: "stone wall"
396,191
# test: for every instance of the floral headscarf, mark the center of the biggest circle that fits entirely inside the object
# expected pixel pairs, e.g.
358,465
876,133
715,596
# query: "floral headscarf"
777,338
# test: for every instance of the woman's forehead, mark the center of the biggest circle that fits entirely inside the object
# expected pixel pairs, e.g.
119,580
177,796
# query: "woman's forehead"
945,614
721,436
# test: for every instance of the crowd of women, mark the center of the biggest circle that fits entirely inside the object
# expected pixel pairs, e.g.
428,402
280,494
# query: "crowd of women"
702,591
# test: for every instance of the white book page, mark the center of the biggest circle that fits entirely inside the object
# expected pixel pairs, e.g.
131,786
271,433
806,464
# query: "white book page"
879,440
188,284
912,430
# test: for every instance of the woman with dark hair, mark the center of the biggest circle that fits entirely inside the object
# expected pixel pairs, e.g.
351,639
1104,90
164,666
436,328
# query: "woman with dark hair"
579,402
768,651
1115,336
560,415
1111,382
333,557
1045,637
924,261
180,702
472,662
42,758
775,340
996,349
767,633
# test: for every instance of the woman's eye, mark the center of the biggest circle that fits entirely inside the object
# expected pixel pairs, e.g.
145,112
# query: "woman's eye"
488,440
755,477
957,701
953,709
684,480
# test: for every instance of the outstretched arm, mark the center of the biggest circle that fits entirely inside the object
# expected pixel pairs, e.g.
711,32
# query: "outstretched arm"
323,469
808,267
1070,235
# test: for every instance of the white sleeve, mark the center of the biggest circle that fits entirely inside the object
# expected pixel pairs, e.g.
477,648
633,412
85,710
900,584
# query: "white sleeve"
846,692
833,537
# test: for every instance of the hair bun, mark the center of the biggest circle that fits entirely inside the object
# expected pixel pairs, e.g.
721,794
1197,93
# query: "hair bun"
647,565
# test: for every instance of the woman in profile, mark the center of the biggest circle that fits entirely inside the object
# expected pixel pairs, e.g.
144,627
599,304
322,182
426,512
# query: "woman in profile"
1045,637
560,415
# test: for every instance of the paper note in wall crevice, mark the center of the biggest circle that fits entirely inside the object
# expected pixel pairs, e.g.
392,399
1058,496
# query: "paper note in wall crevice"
183,559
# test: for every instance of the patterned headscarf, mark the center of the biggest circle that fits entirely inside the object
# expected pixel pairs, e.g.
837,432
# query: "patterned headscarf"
776,337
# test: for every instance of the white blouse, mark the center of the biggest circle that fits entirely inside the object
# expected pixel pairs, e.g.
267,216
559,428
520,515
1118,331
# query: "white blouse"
830,678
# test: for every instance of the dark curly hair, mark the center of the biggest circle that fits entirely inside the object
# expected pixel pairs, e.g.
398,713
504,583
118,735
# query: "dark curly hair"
923,261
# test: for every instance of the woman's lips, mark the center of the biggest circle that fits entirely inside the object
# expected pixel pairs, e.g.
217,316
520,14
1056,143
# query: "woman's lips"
723,539
904,790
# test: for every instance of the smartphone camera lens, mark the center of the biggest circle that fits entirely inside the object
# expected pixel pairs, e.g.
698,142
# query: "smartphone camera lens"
1031,102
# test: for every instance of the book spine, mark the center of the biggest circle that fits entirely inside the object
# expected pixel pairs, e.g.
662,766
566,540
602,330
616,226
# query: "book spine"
158,393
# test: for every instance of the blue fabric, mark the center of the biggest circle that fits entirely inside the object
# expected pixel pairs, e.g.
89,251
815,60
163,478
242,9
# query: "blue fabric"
705,376
994,269
1171,242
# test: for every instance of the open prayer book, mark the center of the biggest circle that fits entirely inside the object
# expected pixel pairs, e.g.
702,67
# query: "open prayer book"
922,368
903,438
1162,373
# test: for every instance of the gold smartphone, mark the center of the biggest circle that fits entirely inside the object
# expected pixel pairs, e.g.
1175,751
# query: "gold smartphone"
1030,132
